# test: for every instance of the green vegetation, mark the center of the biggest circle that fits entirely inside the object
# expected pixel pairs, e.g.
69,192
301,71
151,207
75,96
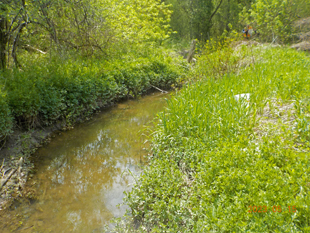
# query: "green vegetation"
61,60
68,89
102,28
214,157
274,18
203,20
6,123
64,59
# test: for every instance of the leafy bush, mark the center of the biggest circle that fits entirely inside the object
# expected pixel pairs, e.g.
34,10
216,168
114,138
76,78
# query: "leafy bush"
6,123
68,88
219,58
23,98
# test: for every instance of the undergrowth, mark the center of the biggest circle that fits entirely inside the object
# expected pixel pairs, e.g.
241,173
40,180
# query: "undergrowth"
221,165
51,88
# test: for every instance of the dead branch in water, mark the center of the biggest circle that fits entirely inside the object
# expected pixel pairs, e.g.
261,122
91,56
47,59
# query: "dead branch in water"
159,89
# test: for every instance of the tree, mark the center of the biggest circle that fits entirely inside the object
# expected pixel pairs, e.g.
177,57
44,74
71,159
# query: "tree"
201,15
272,18
86,26
227,14
201,19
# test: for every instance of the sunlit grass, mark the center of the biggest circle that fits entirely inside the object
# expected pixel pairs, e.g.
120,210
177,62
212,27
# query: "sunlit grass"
214,157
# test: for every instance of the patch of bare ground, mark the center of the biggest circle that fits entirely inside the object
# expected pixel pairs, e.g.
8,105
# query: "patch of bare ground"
303,46
240,43
278,118
304,36
302,24
302,28
15,163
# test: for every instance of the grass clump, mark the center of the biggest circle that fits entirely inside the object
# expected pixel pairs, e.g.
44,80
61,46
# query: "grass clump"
214,158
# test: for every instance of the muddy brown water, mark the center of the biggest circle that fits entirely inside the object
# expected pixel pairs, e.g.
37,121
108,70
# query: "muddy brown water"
83,173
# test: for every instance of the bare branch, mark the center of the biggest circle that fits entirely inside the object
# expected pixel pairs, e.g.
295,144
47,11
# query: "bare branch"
33,48
15,43
13,21
216,10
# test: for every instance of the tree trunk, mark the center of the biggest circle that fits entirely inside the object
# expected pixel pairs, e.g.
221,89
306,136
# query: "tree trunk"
191,52
15,43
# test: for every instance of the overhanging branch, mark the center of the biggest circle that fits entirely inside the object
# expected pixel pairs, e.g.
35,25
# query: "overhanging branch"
219,5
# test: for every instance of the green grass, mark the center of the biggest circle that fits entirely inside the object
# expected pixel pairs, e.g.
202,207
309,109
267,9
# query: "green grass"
213,157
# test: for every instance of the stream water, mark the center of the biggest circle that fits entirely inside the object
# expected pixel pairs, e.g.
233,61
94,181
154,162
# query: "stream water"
83,173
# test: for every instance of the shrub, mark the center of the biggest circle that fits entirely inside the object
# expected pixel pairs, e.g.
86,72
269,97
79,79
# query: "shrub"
6,121
23,98
68,88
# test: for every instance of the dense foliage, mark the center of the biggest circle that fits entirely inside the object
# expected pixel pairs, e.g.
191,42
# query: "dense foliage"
6,123
202,20
102,28
64,59
274,18
70,88
214,158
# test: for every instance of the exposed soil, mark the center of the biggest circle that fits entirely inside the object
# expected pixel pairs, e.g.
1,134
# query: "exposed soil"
304,36
303,46
302,26
276,117
15,160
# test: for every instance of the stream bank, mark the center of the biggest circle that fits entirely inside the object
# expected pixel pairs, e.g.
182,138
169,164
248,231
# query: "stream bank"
16,164
79,177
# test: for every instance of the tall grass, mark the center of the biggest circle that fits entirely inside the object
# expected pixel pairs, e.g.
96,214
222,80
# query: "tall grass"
214,158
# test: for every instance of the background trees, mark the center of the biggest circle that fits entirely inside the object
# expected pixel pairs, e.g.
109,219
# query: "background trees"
107,28
87,26
274,18
192,18
202,19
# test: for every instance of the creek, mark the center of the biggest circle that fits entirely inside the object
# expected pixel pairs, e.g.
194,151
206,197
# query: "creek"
81,175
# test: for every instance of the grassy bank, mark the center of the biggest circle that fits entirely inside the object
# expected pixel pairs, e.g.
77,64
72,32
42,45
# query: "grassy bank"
221,165
51,88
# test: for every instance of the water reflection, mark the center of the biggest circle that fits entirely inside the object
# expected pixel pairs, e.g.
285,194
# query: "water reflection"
83,173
